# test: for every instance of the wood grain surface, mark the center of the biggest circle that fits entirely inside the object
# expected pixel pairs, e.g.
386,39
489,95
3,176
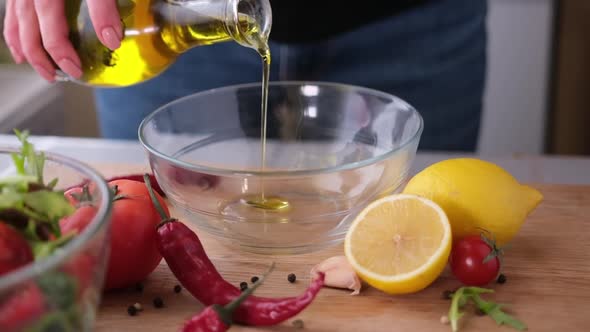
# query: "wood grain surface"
547,269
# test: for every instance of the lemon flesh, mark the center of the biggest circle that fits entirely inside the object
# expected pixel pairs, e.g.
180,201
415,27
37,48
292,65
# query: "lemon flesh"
476,195
399,244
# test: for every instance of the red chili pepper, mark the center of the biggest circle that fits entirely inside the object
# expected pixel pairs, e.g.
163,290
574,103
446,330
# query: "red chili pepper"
209,320
188,261
133,177
217,318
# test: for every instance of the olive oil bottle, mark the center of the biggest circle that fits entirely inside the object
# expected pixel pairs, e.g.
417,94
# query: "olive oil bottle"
156,32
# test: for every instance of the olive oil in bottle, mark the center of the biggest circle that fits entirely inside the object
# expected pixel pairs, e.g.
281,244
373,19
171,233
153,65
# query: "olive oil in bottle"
156,32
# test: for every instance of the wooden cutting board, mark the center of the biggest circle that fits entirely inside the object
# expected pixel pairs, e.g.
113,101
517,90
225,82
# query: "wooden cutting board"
547,269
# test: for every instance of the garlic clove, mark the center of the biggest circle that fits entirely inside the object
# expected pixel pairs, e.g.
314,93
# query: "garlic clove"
339,274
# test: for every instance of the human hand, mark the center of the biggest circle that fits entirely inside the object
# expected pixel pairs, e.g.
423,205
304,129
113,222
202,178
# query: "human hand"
37,31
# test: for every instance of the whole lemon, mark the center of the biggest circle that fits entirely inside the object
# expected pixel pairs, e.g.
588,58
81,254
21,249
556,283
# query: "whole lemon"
476,194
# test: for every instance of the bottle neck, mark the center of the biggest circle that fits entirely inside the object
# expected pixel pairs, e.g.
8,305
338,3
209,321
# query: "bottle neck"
192,23
249,22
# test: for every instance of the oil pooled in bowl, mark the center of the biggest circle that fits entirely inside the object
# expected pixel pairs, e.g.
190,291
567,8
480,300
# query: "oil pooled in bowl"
266,203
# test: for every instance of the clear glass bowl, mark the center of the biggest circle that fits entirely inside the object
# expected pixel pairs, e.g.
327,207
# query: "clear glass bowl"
60,292
330,149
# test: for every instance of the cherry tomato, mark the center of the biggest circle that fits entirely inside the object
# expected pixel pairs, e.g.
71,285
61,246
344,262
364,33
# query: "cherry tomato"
15,251
21,308
134,254
466,261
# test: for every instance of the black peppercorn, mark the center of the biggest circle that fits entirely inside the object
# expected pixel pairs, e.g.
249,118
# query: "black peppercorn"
298,324
501,279
158,302
131,310
291,277
254,279
243,286
177,289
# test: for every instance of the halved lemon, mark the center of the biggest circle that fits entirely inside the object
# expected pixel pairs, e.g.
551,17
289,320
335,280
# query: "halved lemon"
400,243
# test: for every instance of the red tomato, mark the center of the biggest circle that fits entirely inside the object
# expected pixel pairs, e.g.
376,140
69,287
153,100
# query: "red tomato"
75,195
134,254
77,221
15,251
466,261
82,268
72,195
21,308
185,177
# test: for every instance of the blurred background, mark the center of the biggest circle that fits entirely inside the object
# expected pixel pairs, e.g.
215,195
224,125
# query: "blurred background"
539,65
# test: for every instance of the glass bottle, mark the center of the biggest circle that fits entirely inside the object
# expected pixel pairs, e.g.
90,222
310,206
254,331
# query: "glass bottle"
156,32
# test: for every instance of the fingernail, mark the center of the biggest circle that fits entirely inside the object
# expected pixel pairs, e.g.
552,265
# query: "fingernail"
111,38
16,56
44,73
70,68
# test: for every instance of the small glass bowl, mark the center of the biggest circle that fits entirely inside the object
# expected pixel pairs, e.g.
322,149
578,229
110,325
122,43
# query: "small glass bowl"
60,292
330,150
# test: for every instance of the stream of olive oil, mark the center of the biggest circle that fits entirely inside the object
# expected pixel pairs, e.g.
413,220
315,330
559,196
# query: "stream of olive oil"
261,200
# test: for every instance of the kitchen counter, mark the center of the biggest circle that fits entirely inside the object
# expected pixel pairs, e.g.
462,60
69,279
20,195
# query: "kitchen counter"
526,168
543,241
546,266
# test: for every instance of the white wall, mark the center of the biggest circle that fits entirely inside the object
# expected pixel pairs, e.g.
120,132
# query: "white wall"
515,106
